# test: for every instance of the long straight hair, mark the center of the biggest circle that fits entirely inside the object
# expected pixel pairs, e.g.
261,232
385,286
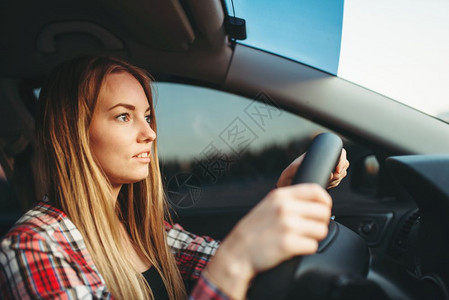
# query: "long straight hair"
77,185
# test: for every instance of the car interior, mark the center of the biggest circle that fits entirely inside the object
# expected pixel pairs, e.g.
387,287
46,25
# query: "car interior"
230,118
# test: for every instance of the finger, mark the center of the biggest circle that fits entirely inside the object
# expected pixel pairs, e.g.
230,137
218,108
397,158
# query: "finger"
293,167
337,176
335,182
311,211
340,176
308,246
288,174
333,185
342,161
299,245
309,192
313,225
312,229
344,167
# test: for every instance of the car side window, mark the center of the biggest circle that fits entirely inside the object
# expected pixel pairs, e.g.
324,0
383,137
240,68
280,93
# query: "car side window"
221,150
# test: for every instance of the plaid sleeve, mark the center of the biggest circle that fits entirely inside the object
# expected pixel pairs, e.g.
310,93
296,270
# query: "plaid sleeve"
205,290
31,269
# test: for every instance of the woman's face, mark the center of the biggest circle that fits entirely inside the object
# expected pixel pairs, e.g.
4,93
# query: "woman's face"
120,134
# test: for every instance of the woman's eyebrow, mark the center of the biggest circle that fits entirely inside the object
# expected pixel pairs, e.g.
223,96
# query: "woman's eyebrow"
127,106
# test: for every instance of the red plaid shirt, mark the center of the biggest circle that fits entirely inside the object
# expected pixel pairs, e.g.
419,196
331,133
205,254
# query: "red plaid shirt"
44,256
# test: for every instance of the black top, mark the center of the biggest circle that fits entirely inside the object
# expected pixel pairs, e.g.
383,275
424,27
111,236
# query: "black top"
154,280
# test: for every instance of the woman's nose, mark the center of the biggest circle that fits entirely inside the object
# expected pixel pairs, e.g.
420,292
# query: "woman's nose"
146,133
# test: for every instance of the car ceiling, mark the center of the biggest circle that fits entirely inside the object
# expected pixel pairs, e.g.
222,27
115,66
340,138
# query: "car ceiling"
37,35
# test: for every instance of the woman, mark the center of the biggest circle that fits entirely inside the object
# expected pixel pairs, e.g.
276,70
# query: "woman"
101,230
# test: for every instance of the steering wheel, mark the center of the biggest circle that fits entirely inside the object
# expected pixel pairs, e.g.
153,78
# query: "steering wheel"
341,252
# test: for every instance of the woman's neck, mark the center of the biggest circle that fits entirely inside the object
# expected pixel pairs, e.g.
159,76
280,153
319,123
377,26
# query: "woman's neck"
116,190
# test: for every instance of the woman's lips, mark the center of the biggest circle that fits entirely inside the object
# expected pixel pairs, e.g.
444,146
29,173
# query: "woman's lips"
143,157
143,154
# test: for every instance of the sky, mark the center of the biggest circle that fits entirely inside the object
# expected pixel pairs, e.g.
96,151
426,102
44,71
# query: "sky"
400,49
396,48
312,35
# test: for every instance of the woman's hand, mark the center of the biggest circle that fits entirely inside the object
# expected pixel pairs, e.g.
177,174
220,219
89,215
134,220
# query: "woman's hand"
336,177
288,222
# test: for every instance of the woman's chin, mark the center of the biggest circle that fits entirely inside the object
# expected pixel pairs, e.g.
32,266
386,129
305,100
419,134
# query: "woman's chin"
133,179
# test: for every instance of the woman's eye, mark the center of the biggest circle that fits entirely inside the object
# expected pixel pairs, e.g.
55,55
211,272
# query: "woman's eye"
148,119
123,117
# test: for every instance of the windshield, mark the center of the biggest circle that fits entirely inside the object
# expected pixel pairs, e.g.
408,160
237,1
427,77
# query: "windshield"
396,48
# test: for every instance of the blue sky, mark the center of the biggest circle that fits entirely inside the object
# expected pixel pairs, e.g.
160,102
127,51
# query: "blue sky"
312,34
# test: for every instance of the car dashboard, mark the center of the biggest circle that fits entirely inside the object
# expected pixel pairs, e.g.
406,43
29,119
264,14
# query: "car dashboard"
414,263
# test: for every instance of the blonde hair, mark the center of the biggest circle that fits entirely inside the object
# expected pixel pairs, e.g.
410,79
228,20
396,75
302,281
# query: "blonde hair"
78,186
